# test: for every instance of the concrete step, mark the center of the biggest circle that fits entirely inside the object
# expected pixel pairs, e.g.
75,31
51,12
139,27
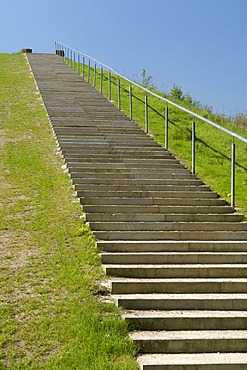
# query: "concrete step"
179,258
142,188
177,271
161,217
182,302
78,166
193,361
91,180
168,226
178,285
186,320
190,341
152,201
119,176
159,162
171,209
172,246
145,194
171,235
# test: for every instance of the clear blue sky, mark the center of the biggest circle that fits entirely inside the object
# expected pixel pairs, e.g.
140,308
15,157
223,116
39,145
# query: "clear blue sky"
200,45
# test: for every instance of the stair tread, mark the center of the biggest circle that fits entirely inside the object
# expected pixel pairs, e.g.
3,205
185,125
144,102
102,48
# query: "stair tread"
189,334
155,314
175,266
193,358
201,296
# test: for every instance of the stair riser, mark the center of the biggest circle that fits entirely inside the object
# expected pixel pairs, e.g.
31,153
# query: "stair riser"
193,304
172,246
152,201
121,175
121,217
160,235
150,287
145,194
167,226
193,323
121,181
223,366
156,209
191,346
176,258
214,272
141,188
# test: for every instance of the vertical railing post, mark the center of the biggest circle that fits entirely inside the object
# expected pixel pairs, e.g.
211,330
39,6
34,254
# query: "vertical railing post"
83,64
118,94
78,61
94,76
71,58
109,85
88,75
146,114
74,61
101,80
130,100
233,175
193,148
166,128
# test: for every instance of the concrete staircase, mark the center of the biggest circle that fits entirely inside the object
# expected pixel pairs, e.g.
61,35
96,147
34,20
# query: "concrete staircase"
175,254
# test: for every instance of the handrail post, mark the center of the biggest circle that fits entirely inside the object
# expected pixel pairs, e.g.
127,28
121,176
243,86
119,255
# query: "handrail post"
74,61
94,75
233,175
130,101
166,127
78,64
193,148
83,64
88,74
118,94
146,114
109,85
71,58
101,80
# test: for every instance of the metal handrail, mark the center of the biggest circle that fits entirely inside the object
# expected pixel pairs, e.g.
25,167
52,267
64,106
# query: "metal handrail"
65,49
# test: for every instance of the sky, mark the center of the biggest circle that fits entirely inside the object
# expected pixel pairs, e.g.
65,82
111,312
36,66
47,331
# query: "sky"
199,45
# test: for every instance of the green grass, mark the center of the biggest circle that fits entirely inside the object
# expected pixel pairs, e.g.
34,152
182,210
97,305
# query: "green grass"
51,313
213,147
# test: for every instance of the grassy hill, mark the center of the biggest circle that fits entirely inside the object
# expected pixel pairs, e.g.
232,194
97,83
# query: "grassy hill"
51,313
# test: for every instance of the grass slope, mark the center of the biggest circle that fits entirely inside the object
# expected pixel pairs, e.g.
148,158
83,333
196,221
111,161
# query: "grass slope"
213,147
51,315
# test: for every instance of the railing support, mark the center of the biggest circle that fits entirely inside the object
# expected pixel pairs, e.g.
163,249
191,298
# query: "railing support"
166,128
118,94
109,85
130,98
146,114
83,63
88,75
233,175
101,80
193,156
94,76
78,61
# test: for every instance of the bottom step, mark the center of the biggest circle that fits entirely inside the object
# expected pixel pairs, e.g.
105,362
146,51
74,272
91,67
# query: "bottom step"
194,361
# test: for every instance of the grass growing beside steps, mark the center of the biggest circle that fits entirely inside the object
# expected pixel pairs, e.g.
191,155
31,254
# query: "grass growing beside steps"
50,314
